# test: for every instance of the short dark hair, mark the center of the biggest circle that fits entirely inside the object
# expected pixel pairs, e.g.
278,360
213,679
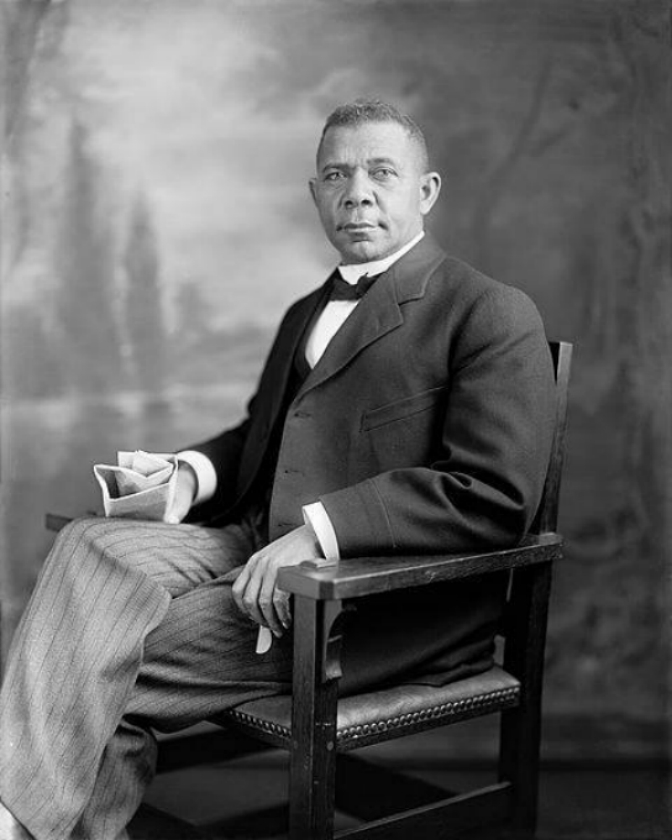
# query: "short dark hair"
375,110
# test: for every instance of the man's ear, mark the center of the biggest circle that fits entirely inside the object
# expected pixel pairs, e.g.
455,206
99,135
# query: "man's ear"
312,186
430,187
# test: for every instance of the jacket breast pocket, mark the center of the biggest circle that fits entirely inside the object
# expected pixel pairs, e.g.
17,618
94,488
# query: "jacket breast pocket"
402,409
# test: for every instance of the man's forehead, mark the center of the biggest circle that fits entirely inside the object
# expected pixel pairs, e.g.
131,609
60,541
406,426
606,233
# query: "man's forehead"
370,140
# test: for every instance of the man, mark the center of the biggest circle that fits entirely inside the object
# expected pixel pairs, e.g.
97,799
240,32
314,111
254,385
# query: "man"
409,414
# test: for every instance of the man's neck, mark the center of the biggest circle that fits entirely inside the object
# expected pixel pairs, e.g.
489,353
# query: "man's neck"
351,273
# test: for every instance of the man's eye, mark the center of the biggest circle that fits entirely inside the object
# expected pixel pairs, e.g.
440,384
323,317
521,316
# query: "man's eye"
333,176
383,173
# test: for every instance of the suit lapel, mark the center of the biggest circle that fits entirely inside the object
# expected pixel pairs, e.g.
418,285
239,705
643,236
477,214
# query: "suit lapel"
377,314
379,311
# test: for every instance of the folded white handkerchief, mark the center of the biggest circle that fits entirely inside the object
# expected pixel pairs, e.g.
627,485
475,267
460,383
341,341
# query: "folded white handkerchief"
141,486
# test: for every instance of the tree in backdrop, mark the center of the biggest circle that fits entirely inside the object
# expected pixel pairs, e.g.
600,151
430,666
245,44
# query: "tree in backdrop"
145,319
88,317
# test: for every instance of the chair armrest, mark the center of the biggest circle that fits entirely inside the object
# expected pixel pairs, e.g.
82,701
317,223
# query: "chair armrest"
356,577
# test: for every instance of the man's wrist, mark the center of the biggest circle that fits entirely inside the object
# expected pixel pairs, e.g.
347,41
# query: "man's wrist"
187,477
206,476
312,536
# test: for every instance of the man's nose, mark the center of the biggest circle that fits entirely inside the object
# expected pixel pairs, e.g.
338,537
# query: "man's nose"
358,190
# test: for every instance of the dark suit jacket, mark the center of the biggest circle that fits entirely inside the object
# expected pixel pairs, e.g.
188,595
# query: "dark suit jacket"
425,427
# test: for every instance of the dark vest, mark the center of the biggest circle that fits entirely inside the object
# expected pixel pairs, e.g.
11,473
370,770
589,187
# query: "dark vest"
259,495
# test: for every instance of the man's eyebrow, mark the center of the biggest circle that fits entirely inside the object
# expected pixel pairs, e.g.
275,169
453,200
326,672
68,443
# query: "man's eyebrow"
370,162
378,160
334,165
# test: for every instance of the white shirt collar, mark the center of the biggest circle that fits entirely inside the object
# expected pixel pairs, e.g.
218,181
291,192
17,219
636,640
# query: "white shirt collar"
352,273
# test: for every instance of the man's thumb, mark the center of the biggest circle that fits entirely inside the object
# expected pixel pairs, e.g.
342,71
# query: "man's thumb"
178,510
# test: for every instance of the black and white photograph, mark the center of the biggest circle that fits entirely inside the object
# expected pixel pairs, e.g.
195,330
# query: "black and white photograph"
335,419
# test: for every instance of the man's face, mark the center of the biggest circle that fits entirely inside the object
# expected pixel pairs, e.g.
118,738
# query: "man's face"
370,191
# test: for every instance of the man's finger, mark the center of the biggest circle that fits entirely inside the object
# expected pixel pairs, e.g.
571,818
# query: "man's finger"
283,608
266,600
242,581
185,492
250,597
178,510
238,588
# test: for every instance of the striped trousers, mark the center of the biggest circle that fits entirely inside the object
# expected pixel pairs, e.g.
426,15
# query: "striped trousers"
131,626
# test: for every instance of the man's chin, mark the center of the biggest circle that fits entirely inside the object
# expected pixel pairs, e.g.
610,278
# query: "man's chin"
361,252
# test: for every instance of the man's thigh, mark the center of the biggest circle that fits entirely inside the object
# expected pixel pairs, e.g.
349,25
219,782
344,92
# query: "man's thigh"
177,557
201,660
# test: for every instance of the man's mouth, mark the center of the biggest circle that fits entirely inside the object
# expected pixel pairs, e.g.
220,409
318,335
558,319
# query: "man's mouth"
357,227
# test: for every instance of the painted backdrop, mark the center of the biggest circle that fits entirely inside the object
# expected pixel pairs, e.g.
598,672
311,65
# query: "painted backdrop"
156,222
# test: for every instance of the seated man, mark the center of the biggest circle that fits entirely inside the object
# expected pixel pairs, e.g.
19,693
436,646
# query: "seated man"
406,406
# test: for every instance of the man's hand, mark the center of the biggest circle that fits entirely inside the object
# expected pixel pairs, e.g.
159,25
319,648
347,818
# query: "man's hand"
255,592
185,492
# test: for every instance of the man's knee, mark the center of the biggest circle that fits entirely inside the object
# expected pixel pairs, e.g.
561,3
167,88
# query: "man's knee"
87,538
80,529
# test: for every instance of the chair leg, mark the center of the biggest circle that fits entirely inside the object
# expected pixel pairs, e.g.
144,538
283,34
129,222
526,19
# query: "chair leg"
312,787
312,774
521,727
519,764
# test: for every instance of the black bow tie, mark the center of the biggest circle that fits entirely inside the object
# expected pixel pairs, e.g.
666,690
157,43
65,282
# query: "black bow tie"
342,290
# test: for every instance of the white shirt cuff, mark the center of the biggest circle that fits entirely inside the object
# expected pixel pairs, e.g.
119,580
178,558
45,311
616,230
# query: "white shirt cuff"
205,474
316,517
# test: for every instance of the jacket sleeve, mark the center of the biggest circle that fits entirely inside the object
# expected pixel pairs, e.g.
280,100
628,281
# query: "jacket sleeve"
224,452
483,488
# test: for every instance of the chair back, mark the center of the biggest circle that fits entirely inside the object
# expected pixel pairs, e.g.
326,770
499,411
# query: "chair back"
546,518
523,624
523,627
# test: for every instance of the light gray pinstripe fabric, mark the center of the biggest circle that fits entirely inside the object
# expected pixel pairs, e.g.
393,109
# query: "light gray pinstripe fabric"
131,625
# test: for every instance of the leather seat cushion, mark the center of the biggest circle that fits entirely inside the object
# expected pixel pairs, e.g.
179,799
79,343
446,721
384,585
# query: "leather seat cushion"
387,713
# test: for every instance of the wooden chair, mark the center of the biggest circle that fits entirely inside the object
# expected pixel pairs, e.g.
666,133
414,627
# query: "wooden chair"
318,727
